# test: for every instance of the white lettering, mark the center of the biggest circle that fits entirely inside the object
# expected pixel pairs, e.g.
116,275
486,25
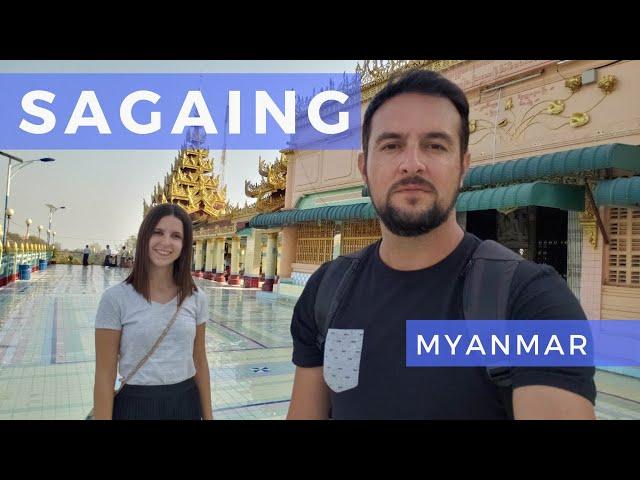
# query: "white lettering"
97,119
47,116
126,114
475,339
580,347
195,100
314,112
557,348
527,348
423,344
287,120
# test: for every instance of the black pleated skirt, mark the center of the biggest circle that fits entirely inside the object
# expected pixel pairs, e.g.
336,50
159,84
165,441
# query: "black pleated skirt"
180,401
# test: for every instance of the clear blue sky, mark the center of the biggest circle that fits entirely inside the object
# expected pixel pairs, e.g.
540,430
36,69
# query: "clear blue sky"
103,190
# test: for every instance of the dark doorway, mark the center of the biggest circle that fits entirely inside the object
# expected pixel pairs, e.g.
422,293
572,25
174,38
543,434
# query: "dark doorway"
551,238
483,224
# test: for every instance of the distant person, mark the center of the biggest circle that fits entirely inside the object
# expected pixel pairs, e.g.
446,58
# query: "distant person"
85,255
107,258
123,256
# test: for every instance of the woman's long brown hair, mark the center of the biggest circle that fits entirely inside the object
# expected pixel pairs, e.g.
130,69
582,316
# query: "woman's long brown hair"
139,276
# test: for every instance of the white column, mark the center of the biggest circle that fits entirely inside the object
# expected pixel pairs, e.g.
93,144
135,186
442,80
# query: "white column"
234,274
270,263
219,277
198,256
251,260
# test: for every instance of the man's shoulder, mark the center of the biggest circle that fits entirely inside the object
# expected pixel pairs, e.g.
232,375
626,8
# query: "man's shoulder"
529,271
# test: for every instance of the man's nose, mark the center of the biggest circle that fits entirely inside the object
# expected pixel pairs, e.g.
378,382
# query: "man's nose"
412,160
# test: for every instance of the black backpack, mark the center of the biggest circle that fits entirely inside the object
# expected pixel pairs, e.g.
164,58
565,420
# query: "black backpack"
487,282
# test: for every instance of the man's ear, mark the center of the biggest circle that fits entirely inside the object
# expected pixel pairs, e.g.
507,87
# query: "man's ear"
466,162
362,166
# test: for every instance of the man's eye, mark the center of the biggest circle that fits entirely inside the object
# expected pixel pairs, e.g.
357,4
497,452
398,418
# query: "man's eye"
390,146
436,146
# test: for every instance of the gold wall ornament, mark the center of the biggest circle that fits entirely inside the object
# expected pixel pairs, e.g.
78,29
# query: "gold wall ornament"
574,83
526,115
503,123
590,230
578,119
374,73
472,126
589,224
271,190
509,104
607,84
379,70
556,107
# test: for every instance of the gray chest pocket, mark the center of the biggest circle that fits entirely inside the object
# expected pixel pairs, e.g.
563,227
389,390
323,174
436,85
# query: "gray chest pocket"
342,352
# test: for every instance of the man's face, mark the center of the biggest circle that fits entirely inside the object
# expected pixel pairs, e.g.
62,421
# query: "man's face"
414,163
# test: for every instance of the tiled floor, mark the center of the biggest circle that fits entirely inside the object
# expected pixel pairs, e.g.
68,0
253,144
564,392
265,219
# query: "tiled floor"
47,350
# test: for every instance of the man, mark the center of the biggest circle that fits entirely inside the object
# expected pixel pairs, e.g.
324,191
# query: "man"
123,255
85,255
415,136
107,258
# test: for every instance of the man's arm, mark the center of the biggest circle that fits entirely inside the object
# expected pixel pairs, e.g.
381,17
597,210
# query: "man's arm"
542,402
550,393
310,399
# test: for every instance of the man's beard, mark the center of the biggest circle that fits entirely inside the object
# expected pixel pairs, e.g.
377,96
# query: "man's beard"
406,224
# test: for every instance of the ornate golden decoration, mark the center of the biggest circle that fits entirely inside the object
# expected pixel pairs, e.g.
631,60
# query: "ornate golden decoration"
270,191
375,73
503,123
472,125
545,107
589,224
578,119
191,185
574,83
509,104
556,107
607,84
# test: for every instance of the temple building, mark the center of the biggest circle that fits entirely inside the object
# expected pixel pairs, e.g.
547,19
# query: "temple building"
555,176
225,248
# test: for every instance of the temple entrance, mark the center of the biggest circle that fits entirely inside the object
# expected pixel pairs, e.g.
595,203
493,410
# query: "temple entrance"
551,238
538,234
483,224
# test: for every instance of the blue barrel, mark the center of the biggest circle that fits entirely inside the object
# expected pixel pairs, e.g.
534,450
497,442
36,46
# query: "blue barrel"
42,265
25,271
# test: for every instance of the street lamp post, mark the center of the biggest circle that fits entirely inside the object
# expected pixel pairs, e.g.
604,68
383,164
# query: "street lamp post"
52,210
23,164
8,213
28,221
40,227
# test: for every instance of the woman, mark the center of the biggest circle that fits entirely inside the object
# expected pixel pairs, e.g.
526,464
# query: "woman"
173,382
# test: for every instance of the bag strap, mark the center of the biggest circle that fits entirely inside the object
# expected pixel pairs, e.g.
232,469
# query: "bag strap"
153,348
487,282
487,285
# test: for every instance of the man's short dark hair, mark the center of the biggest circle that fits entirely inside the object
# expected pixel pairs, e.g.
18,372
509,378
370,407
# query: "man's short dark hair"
425,82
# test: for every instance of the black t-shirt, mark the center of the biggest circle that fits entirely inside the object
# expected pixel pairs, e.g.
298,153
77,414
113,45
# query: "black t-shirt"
373,381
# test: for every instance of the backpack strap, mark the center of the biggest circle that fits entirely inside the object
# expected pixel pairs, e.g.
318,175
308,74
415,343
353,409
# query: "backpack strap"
487,284
336,282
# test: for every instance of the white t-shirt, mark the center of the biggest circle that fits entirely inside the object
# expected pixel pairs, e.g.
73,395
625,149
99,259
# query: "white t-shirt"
86,251
108,251
142,322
